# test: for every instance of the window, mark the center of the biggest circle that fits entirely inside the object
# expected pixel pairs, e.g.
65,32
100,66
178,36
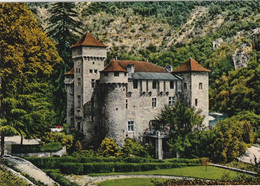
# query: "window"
185,85
95,71
116,73
126,103
79,83
105,73
131,126
125,74
154,84
135,84
153,102
79,101
196,102
171,84
171,100
92,83
93,63
77,70
200,85
91,71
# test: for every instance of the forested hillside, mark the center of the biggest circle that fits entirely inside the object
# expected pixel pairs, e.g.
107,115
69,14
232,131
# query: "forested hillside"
216,34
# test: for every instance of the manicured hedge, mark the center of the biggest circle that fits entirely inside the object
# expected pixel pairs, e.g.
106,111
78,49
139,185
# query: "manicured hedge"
55,162
49,147
86,168
51,163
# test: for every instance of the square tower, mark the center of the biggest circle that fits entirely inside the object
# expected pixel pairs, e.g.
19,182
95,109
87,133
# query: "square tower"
195,86
88,56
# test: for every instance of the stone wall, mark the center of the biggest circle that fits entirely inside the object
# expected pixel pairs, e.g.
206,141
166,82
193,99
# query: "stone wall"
59,153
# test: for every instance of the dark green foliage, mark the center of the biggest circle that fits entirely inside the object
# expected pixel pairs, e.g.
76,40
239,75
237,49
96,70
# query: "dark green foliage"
59,178
49,147
239,90
64,28
71,168
181,118
85,168
226,141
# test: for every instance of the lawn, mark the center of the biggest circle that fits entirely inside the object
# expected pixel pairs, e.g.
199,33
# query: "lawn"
196,172
132,181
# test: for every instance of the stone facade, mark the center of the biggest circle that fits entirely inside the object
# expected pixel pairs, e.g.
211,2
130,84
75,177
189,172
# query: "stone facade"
123,99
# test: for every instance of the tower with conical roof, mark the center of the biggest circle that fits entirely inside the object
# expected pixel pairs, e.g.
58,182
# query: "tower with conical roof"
195,86
88,56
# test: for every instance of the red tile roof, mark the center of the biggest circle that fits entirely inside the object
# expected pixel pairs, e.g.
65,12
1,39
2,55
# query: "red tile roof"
71,72
139,66
191,66
89,40
114,66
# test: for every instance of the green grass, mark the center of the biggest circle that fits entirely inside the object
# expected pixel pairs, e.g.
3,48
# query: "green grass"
7,178
132,181
196,172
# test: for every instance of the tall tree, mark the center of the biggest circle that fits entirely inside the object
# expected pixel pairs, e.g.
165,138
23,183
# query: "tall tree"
27,59
64,27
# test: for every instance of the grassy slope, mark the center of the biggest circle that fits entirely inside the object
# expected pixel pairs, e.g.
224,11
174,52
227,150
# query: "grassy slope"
7,178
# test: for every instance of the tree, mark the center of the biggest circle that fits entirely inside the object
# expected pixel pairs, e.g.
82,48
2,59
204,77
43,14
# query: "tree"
64,26
181,118
27,60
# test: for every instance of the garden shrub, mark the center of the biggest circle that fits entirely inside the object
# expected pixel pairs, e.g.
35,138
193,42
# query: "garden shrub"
84,153
108,147
52,162
48,147
86,168
71,168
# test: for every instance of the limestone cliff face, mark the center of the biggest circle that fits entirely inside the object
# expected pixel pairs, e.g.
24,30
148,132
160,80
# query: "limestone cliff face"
241,57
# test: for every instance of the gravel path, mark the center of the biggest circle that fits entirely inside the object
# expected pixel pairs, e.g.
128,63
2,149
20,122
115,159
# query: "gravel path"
93,180
31,170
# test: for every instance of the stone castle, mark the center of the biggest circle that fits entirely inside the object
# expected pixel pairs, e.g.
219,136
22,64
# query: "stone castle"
123,99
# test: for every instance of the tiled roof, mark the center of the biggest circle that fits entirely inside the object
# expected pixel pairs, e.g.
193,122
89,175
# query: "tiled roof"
89,40
139,66
191,66
71,72
114,66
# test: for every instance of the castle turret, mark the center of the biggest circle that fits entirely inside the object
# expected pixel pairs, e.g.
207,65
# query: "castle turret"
88,56
195,86
113,84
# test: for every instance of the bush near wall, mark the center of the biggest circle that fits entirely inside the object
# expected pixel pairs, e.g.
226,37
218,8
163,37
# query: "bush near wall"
86,168
49,147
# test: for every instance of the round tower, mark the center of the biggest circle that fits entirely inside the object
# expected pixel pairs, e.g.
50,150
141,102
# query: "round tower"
113,84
